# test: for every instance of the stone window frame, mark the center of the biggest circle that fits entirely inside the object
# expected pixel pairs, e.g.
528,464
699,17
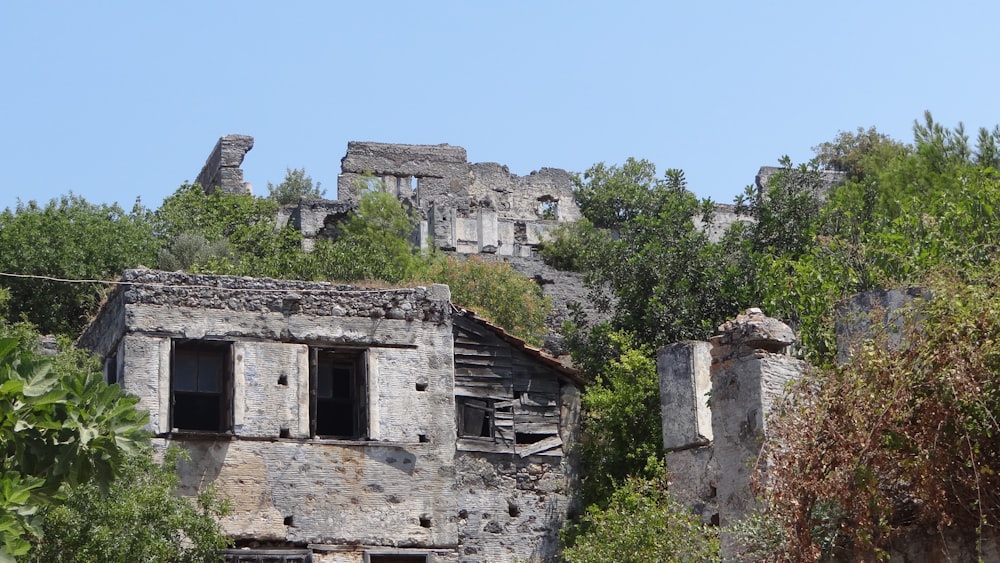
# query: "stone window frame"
355,362
201,399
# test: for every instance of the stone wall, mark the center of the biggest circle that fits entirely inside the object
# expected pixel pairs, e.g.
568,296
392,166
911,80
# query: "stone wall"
471,209
865,315
710,467
511,509
820,183
222,168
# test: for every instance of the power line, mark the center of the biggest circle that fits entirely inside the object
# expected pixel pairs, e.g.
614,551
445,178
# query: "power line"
202,286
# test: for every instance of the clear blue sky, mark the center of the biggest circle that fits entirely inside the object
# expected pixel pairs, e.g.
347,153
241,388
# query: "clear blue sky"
114,100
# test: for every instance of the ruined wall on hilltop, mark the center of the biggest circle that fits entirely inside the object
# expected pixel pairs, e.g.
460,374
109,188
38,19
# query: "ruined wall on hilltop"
222,168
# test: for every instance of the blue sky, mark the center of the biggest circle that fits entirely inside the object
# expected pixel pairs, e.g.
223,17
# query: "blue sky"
115,100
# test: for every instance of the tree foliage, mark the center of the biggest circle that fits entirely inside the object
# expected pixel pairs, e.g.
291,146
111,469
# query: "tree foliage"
642,523
372,244
645,260
294,188
620,420
496,291
900,436
68,238
94,526
61,427
928,207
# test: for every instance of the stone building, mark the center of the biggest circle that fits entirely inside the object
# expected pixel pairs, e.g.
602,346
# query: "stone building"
348,424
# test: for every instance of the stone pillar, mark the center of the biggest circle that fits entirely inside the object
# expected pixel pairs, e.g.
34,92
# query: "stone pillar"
222,168
488,236
685,384
749,373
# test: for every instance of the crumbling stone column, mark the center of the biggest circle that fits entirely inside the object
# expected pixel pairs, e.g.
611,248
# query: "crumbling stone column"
685,386
749,373
222,168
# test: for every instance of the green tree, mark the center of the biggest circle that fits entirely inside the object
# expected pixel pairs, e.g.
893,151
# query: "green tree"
295,187
856,153
915,209
645,260
222,233
621,420
189,250
61,427
372,244
641,523
498,292
139,518
72,239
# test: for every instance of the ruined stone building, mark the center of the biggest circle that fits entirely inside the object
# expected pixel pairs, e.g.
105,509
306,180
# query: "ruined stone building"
468,209
347,424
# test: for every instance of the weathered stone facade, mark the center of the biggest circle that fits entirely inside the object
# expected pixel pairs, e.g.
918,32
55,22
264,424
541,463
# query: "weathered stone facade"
222,168
864,315
335,419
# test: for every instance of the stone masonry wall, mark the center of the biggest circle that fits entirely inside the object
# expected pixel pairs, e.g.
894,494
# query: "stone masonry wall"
222,168
391,489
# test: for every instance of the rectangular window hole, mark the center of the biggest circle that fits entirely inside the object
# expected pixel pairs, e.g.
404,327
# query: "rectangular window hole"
421,386
425,521
283,379
339,388
423,438
289,520
284,433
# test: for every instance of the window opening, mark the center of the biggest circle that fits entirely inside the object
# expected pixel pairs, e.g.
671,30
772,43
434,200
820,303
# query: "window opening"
201,386
268,556
338,393
548,207
111,370
484,418
396,557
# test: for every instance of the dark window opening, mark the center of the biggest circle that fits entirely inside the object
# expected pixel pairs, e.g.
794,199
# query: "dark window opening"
111,370
523,438
338,393
475,418
268,556
484,418
396,558
201,386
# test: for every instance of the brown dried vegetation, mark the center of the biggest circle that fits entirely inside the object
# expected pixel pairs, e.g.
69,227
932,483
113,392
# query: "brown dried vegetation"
900,437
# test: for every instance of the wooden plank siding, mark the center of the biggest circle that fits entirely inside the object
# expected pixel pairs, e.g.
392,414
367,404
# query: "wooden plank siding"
524,393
